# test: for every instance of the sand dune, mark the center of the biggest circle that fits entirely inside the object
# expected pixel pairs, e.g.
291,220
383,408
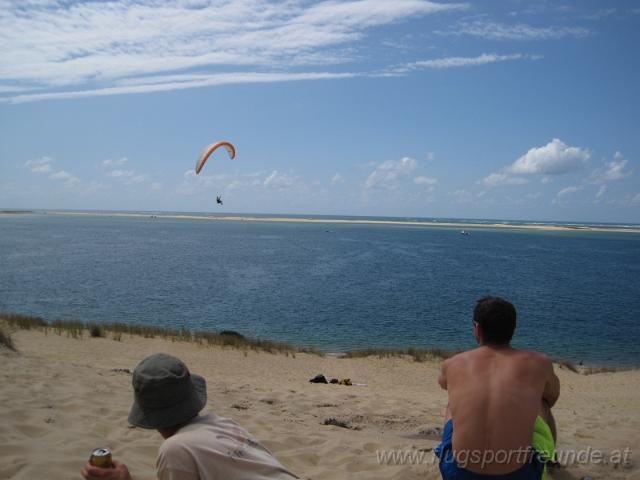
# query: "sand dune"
348,221
61,397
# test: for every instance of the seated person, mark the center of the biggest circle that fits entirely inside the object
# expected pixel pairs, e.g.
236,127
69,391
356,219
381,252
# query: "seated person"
500,403
168,398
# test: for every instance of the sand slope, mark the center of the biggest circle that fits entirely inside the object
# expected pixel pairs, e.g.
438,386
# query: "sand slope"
61,397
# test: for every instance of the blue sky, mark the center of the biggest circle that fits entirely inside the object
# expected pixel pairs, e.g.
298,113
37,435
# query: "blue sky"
494,109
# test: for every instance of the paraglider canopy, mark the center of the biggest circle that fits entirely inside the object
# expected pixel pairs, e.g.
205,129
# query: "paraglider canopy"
206,153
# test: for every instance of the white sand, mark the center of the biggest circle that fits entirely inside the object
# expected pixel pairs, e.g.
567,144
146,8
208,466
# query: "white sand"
60,398
337,221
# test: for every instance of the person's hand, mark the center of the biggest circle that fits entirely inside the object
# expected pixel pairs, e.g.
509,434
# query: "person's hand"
118,472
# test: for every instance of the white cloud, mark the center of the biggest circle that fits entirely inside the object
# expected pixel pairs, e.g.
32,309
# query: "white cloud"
457,62
244,182
554,158
337,178
279,181
106,48
425,181
615,169
40,165
387,174
143,177
61,175
601,13
568,191
561,196
497,179
500,31
463,196
533,196
120,173
115,163
259,183
69,179
43,165
125,176
209,81
92,187
192,183
12,89
612,171
45,168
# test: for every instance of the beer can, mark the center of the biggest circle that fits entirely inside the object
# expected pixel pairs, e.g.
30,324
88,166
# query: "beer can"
101,457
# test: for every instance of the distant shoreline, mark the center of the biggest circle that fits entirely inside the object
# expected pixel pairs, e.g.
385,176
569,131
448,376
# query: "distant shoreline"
340,221
16,212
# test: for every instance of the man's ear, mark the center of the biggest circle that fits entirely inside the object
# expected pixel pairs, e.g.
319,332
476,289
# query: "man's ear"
477,332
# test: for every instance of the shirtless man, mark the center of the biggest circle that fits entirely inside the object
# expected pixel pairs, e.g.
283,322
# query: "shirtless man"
500,402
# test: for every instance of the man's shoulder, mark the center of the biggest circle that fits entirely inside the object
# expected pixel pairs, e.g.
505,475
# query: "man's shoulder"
457,362
533,359
173,452
181,439
534,356
461,357
175,444
530,357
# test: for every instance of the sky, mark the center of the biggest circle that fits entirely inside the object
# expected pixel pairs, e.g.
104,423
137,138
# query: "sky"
509,109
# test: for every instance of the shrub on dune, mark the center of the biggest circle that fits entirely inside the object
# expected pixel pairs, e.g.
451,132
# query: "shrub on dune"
6,341
96,331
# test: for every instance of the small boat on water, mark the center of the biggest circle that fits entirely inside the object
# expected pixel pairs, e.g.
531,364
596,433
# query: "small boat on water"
464,232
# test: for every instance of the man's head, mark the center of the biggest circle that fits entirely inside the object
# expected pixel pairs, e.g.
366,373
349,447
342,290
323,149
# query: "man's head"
165,393
495,321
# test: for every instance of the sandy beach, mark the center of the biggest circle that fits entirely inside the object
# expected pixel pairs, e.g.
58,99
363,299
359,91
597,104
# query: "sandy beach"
351,221
61,397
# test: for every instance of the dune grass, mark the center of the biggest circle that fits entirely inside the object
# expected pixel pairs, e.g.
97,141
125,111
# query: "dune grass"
24,322
418,354
229,338
565,364
6,341
96,331
226,338
589,370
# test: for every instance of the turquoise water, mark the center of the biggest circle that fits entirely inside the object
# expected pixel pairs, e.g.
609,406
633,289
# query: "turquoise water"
332,286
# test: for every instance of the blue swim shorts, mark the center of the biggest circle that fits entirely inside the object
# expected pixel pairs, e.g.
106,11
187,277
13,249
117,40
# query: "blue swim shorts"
450,470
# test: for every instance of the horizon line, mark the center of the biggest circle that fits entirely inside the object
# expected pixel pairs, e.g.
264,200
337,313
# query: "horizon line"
450,222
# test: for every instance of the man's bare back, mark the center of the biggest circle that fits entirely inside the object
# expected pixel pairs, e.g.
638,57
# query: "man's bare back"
495,394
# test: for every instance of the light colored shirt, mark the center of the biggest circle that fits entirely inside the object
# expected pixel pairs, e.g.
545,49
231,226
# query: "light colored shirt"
216,448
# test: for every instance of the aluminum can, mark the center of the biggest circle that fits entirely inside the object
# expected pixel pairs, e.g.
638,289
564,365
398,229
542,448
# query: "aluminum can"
101,457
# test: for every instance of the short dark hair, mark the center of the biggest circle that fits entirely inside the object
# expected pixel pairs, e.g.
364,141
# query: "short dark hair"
497,320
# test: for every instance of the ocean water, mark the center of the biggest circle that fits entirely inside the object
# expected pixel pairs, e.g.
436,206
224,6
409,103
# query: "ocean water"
332,286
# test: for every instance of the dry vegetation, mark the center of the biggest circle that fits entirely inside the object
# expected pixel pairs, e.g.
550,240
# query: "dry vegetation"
584,370
6,341
77,329
418,354
226,338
